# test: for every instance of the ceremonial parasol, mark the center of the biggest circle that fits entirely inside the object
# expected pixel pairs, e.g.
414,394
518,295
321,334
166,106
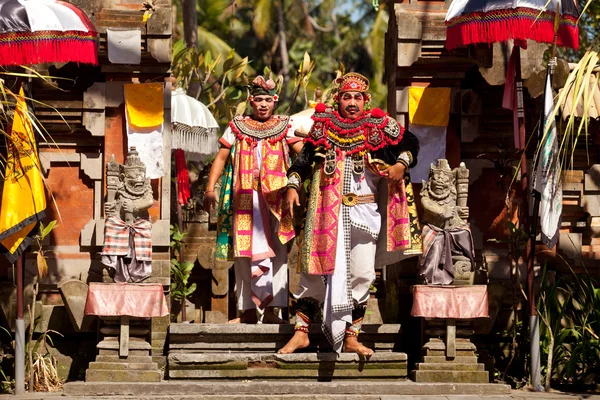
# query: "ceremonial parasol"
194,135
489,21
194,127
38,31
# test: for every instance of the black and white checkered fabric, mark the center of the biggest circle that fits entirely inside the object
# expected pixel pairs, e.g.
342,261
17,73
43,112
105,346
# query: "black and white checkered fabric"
345,214
365,228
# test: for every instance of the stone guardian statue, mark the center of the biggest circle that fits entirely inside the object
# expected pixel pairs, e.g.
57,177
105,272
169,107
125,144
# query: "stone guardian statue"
448,255
128,230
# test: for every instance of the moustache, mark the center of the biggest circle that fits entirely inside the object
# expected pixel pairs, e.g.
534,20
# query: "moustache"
352,108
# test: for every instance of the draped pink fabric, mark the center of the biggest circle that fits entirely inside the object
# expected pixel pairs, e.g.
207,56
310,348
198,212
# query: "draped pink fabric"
143,300
458,302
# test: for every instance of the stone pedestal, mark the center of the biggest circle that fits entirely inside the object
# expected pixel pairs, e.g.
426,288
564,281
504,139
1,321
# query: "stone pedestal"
449,355
124,354
456,362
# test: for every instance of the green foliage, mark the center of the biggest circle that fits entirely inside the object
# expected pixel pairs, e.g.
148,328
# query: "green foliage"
43,232
217,80
180,270
180,274
6,383
277,34
176,238
570,312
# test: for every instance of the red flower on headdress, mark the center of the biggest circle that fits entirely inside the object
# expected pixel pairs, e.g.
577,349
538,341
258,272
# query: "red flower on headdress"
320,108
377,113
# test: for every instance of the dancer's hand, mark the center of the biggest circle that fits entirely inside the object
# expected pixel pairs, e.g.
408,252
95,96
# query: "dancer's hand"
292,199
210,200
394,173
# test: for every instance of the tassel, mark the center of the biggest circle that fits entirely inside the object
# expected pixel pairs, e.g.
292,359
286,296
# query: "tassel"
183,179
194,139
48,46
502,25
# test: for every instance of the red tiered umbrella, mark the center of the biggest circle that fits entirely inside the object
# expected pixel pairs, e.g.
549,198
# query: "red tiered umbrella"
491,21
38,31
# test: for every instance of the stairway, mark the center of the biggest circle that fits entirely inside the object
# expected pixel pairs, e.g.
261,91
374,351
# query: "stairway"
240,351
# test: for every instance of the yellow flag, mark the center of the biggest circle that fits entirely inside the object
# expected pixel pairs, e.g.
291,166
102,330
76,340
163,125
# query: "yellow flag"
23,197
428,106
144,104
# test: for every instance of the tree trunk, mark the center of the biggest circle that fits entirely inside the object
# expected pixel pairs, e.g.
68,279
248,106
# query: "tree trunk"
283,49
190,22
190,35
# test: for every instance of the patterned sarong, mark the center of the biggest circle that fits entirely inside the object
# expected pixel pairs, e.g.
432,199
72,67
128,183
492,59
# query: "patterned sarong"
270,180
116,238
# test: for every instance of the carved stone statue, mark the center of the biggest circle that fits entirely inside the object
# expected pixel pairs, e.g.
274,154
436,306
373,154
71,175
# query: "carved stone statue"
448,255
128,230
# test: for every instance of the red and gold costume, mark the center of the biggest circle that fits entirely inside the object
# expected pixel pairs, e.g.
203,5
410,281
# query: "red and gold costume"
352,210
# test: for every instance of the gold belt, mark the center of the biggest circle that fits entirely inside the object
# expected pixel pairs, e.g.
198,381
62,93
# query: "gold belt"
352,199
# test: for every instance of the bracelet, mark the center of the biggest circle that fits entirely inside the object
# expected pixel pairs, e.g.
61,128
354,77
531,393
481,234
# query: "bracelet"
405,158
294,180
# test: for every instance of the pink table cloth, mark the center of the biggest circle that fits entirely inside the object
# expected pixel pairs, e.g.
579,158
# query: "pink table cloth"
143,300
458,302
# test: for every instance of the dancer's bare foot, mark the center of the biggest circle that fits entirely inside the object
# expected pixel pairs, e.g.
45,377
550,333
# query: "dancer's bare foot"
247,317
352,345
269,317
298,341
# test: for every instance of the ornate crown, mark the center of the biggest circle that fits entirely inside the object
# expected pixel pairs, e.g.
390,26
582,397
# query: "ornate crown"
353,82
133,161
443,167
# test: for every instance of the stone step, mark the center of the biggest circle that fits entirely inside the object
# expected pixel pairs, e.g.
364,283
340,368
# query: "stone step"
115,352
112,343
266,338
451,376
116,359
301,365
451,366
288,389
437,347
103,375
133,330
444,359
124,366
439,344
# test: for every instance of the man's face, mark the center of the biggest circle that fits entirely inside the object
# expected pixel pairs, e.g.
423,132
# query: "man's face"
262,107
352,104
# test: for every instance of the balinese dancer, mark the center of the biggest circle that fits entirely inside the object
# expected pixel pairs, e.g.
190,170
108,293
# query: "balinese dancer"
253,228
353,156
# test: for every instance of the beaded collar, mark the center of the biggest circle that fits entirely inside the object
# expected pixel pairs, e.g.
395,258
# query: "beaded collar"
248,129
369,132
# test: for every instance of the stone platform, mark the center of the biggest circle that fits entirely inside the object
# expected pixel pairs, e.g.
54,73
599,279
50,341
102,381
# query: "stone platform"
215,338
319,366
226,351
288,390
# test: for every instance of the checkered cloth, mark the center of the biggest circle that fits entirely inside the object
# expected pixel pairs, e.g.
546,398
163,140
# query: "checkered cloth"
117,234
